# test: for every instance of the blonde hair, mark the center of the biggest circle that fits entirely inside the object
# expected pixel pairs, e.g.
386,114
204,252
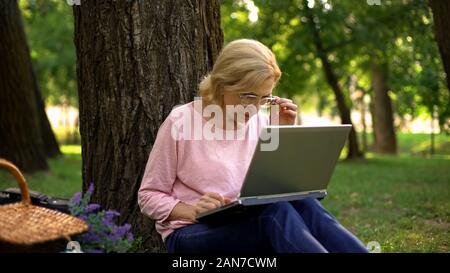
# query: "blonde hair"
243,64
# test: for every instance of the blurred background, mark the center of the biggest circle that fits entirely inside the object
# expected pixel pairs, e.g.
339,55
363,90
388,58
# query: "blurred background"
392,44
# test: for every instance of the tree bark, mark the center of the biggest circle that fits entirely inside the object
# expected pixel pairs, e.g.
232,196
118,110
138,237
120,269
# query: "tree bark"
20,128
372,118
385,140
344,110
363,112
136,60
432,144
441,15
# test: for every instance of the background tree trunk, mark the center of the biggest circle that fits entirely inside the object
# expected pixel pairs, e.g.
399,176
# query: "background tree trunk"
49,142
441,15
363,112
332,80
135,61
385,140
344,110
20,119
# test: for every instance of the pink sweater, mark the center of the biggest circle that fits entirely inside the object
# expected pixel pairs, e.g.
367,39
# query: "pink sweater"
184,170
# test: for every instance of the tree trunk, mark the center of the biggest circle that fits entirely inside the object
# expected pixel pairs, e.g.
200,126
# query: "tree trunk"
441,15
385,140
364,123
49,142
135,61
372,119
344,110
20,130
432,144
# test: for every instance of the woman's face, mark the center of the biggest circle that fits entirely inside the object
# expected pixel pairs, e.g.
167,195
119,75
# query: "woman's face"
233,98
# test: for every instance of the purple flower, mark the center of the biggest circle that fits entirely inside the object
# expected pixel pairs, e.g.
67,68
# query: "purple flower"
115,237
126,227
91,208
90,189
92,237
76,198
119,232
108,218
122,230
95,251
104,235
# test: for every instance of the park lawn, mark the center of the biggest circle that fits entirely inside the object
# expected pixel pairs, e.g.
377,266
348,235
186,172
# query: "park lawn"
419,144
62,180
402,202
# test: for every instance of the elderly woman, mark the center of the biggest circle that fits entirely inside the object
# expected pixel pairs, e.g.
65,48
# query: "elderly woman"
188,173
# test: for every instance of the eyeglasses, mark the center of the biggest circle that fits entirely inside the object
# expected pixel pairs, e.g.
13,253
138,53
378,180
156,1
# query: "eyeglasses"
250,98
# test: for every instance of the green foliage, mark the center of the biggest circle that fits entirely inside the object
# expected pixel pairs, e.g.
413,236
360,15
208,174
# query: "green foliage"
49,29
397,34
400,201
137,246
280,27
355,34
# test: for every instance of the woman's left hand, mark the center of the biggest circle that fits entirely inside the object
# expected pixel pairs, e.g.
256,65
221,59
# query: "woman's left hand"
288,111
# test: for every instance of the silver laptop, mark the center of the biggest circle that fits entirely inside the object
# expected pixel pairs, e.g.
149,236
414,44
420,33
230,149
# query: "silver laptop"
289,163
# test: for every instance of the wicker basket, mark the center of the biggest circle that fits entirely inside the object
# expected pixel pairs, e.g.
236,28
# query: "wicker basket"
25,224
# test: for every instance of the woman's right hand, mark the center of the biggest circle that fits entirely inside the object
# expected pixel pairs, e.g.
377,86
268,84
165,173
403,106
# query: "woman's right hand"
209,200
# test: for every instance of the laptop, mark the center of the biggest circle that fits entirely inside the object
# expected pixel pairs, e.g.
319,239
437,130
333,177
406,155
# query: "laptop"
289,163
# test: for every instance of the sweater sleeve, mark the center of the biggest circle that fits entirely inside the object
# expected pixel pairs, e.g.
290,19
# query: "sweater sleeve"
155,193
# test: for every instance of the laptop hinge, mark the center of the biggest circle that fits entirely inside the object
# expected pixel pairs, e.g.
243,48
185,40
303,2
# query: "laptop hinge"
266,199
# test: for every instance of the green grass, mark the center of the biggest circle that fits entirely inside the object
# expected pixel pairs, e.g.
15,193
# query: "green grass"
403,202
62,180
418,144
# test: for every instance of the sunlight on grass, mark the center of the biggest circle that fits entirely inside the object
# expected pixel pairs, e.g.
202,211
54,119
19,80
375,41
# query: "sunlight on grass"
71,149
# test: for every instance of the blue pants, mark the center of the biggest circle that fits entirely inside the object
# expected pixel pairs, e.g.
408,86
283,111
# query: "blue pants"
284,227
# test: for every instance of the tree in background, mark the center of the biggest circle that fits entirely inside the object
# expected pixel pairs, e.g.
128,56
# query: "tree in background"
373,31
417,77
304,38
135,61
373,44
323,54
53,57
441,13
26,137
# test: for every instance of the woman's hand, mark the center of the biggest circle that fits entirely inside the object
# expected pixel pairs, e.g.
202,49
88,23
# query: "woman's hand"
209,200
287,114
